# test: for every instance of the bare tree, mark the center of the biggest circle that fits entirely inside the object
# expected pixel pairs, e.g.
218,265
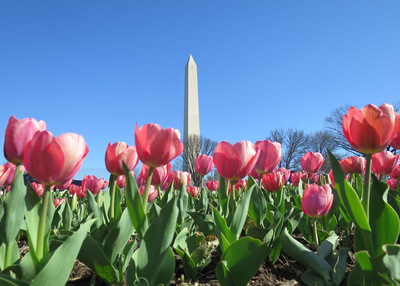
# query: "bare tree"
322,141
194,146
294,145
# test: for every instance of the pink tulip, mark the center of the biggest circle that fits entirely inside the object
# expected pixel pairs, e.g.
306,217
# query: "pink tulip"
212,185
273,182
395,143
38,188
393,184
121,181
353,165
58,202
285,173
156,146
17,135
235,162
270,156
395,174
330,174
296,177
92,184
64,186
204,164
105,184
193,191
75,189
253,173
4,171
54,160
317,200
152,192
116,154
384,162
160,174
11,173
311,162
371,129
181,178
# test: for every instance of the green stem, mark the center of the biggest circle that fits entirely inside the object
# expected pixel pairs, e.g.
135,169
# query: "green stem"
367,186
112,195
100,198
42,224
233,196
315,232
159,192
145,197
202,179
7,258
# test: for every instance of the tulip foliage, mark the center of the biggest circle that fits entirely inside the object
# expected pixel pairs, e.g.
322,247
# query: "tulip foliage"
130,231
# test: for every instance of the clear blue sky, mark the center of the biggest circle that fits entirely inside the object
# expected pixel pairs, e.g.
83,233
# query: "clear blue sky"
97,67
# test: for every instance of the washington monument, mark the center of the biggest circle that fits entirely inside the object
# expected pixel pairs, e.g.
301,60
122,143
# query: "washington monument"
191,116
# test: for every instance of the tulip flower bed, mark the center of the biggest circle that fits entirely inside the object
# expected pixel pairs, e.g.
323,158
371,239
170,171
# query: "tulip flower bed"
306,227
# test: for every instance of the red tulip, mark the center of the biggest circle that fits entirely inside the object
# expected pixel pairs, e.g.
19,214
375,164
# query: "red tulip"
160,174
311,162
273,182
156,146
384,162
370,129
395,143
116,154
395,174
270,156
152,192
181,178
239,186
17,135
193,191
235,162
10,178
296,177
393,184
92,184
4,171
58,202
75,189
212,185
353,165
64,186
54,160
204,164
317,200
38,188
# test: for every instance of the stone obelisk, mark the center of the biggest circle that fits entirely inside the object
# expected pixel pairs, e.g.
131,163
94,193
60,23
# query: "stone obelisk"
191,116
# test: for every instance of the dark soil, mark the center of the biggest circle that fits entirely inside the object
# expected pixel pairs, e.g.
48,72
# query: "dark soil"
286,272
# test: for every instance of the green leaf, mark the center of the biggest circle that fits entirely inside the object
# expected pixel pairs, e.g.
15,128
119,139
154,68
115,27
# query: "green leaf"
94,208
134,204
348,196
258,206
182,204
240,215
118,237
67,216
154,250
65,255
223,197
222,226
14,209
93,256
204,222
392,261
381,216
6,280
240,261
33,204
305,256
